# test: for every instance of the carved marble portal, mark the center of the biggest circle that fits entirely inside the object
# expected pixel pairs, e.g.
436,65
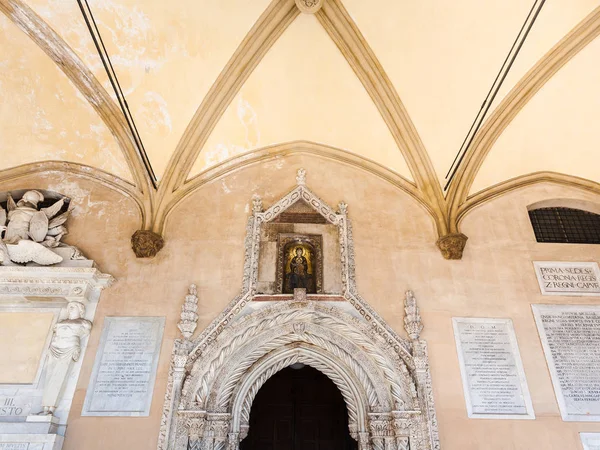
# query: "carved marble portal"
384,378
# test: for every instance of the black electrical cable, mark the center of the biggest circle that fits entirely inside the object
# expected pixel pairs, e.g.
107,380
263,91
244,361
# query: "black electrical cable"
114,81
496,85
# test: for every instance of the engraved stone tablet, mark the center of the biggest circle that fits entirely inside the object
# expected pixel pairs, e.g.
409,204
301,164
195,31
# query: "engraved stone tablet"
14,445
590,441
570,336
15,406
494,382
568,278
125,367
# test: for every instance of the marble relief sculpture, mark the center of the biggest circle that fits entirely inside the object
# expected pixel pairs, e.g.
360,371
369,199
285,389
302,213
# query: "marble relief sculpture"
29,233
65,349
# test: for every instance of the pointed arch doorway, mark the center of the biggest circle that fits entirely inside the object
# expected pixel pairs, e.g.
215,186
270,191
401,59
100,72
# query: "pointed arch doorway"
214,378
299,408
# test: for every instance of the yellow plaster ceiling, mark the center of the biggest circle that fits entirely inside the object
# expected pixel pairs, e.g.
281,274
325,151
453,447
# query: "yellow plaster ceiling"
442,57
42,115
555,20
556,131
303,89
166,55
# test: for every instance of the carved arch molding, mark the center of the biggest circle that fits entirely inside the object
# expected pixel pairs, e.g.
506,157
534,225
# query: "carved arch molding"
214,378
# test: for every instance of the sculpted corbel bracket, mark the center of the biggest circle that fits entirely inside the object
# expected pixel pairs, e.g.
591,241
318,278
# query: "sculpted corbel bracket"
146,243
452,245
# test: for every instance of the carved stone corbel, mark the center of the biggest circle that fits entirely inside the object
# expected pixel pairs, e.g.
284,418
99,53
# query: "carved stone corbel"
452,245
146,243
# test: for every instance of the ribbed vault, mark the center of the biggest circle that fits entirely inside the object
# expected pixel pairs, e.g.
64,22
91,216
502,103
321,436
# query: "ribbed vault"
422,92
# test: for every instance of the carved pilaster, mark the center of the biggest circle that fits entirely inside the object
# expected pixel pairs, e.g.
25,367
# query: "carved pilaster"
364,443
382,431
233,441
428,421
217,428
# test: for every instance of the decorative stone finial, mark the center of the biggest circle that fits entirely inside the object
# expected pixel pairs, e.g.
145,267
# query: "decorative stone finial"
146,243
301,177
257,205
189,319
343,207
452,245
412,319
309,6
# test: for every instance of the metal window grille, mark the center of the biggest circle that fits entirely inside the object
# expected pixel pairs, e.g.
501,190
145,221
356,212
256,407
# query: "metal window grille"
565,225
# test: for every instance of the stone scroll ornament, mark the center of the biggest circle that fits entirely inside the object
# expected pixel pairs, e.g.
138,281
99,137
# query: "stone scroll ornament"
214,377
29,233
65,349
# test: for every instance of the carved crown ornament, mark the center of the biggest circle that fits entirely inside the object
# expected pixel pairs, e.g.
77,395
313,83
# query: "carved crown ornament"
215,376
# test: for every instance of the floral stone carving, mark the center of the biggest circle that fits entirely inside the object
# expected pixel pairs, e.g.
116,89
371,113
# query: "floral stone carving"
452,245
30,233
383,378
146,243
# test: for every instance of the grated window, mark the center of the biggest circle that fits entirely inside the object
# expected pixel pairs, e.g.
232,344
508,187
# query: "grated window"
565,225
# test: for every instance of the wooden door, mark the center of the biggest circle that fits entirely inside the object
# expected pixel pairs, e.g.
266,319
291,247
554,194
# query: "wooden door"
298,410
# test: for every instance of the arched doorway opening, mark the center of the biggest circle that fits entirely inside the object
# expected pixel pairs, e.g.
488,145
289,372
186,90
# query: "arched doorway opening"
299,408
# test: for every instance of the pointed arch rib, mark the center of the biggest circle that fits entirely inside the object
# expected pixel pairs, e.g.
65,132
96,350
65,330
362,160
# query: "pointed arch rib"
342,376
269,27
285,149
85,81
585,32
497,190
346,35
90,173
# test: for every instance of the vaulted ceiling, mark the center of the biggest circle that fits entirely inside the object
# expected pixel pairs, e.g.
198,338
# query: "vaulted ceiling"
389,85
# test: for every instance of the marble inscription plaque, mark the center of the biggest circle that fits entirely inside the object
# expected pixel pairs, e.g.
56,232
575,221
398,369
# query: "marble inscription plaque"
494,382
570,335
125,368
15,406
568,278
590,441
14,445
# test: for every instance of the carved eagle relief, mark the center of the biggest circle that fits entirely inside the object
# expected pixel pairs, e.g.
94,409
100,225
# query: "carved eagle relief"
29,233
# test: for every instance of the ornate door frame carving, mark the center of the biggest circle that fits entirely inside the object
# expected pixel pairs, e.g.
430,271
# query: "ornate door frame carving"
384,378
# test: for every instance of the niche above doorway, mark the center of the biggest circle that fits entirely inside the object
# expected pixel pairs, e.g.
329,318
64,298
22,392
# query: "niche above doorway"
303,233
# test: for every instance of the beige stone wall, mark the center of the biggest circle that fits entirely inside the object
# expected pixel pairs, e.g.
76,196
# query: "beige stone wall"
395,251
23,338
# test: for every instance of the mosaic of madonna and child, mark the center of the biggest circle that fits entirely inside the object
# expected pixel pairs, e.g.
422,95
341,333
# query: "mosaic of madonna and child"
300,268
